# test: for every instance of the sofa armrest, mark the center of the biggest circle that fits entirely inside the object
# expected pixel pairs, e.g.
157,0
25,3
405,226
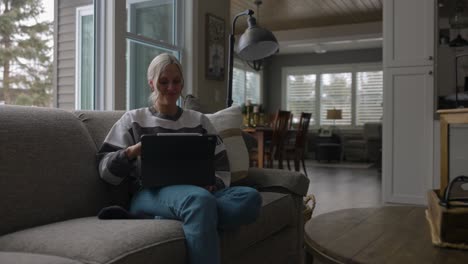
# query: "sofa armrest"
293,182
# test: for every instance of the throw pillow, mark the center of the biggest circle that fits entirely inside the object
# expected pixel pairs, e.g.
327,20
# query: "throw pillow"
228,123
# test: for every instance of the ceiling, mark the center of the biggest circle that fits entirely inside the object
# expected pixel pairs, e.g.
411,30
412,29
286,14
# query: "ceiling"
303,26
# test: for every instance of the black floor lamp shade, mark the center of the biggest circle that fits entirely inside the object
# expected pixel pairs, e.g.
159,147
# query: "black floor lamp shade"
255,43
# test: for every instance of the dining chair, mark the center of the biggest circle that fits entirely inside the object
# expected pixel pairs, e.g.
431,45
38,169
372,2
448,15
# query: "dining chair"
290,123
280,132
274,147
296,150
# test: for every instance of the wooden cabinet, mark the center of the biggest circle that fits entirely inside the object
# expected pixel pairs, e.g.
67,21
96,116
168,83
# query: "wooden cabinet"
409,27
453,157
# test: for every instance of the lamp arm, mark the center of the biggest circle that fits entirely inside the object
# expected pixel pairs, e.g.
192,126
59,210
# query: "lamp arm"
231,55
244,13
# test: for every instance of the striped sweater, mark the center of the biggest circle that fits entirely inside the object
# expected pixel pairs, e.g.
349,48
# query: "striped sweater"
114,166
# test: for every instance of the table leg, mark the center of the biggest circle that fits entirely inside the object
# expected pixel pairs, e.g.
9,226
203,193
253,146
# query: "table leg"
260,146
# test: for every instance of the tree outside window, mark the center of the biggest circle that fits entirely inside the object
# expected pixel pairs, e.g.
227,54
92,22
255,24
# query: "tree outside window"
25,53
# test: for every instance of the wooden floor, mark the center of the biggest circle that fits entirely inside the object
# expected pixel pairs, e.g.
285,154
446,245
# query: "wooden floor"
341,188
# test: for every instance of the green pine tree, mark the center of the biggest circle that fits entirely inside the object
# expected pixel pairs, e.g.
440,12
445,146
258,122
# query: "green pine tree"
25,53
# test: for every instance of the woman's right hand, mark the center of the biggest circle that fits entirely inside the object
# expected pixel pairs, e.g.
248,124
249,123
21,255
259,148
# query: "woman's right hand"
134,151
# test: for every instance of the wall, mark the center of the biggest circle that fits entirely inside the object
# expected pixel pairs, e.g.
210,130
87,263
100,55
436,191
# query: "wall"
272,72
212,93
65,52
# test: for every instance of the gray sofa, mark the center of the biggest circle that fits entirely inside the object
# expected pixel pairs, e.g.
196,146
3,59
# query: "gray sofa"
51,193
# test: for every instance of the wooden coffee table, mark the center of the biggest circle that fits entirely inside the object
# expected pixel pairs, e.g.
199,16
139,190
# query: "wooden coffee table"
391,234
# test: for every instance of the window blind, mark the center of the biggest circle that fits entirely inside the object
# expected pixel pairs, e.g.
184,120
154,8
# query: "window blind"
336,94
318,89
238,86
369,97
301,95
245,86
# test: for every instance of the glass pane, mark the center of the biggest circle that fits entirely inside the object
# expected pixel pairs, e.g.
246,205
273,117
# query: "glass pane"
369,97
26,53
87,63
138,58
336,94
153,19
301,94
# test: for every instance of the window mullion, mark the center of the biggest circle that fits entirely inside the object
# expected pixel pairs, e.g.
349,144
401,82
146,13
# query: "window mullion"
353,98
318,98
151,42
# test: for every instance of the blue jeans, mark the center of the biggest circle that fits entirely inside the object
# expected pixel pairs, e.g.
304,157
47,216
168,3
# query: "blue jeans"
201,212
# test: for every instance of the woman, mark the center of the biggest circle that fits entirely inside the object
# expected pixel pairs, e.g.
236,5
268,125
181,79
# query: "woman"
202,210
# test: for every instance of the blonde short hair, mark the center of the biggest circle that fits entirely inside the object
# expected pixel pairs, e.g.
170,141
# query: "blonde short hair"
157,65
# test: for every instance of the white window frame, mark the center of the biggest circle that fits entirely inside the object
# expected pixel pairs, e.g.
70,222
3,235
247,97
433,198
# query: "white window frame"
353,68
111,40
176,38
80,13
245,67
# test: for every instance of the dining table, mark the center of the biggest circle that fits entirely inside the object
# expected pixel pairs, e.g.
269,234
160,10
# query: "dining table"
259,133
262,134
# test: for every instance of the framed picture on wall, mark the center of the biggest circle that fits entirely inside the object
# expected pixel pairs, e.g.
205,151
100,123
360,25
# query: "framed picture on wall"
215,47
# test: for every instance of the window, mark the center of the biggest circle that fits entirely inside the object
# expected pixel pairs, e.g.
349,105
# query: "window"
84,63
153,27
355,89
301,94
26,53
246,85
129,35
335,92
369,97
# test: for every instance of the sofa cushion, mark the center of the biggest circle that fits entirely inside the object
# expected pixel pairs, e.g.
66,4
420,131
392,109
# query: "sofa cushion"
228,123
98,123
28,258
90,240
277,214
48,168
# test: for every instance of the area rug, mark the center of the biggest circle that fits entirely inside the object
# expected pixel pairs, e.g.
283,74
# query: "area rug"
342,164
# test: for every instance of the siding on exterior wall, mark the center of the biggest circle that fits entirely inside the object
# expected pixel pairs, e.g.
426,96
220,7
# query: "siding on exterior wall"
65,78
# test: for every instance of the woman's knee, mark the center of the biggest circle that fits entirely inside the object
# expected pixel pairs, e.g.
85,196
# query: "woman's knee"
199,199
250,196
253,200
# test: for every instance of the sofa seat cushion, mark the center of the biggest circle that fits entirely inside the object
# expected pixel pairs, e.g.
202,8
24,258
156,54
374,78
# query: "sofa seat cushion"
28,258
90,240
277,213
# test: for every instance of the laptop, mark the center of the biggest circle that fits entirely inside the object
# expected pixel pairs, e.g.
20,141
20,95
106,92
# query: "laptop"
177,158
